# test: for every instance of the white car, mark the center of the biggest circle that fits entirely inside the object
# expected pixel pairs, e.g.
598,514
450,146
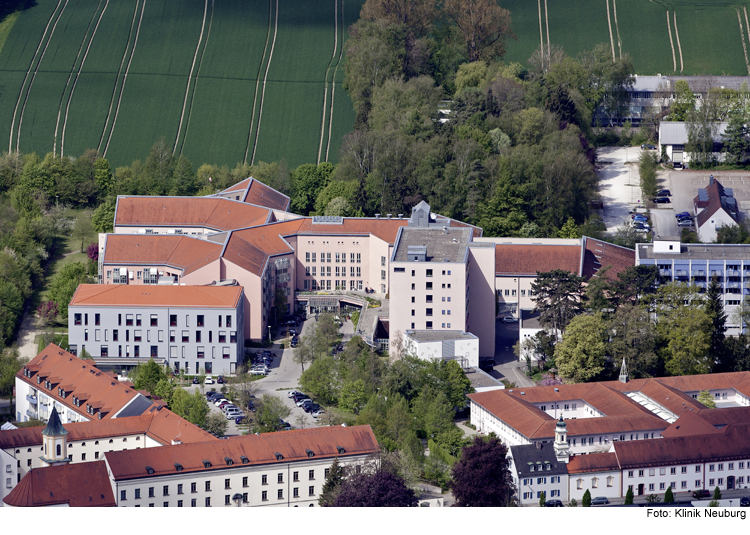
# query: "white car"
291,393
232,413
510,319
220,401
303,401
255,371
209,380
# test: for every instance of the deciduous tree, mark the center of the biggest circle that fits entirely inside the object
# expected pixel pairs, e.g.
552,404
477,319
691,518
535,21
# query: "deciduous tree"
557,296
270,410
482,478
64,284
379,489
582,354
483,27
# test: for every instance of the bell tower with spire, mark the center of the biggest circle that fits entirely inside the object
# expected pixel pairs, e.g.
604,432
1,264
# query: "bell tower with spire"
624,372
54,441
561,446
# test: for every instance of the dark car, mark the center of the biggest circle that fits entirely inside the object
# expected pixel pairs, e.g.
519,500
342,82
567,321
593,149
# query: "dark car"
195,381
600,500
220,379
661,200
664,193
294,342
745,501
700,494
240,419
648,146
683,215
553,503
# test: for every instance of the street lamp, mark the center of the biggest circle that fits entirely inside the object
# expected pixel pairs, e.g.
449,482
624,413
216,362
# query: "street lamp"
269,333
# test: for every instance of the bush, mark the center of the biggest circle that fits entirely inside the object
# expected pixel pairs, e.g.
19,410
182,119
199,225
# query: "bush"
586,501
647,168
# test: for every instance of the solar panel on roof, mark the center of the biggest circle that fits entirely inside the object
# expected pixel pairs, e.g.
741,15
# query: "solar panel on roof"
328,219
702,195
728,192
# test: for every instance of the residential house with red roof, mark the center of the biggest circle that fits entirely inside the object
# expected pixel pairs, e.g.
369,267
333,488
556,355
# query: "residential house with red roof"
715,207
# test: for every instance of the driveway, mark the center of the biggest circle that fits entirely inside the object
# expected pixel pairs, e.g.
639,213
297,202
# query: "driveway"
619,183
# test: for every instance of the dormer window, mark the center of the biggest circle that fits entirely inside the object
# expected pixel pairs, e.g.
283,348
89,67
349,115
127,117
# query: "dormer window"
178,467
229,461
206,464
340,450
149,470
310,453
278,456
244,459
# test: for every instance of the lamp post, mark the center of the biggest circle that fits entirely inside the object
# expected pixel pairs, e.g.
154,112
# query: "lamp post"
269,333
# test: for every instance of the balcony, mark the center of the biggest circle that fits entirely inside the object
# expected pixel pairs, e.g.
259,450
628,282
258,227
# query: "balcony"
31,399
32,415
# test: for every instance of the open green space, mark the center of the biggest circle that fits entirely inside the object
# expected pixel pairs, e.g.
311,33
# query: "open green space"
49,40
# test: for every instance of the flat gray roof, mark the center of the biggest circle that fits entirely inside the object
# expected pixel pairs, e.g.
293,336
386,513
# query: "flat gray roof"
443,245
697,251
439,336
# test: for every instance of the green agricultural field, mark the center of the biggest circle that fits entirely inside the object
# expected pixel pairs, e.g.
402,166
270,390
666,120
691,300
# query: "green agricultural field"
709,32
119,74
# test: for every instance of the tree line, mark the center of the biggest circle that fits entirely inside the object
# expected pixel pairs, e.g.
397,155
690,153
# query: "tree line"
658,328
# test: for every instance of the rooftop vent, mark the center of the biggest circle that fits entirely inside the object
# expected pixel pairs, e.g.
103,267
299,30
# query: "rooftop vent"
206,464
400,216
341,450
149,470
388,215
445,230
310,453
523,393
557,389
244,459
229,461
178,467
377,216
278,456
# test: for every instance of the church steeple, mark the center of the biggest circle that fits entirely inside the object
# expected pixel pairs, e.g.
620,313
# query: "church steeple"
624,372
561,446
55,442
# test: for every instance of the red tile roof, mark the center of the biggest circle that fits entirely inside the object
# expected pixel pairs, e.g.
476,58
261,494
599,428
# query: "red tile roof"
731,444
91,385
512,259
599,462
599,254
163,426
262,195
519,414
689,424
154,295
258,450
75,485
210,212
161,250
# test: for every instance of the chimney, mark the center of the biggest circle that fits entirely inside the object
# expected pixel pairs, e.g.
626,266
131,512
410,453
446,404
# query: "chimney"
176,441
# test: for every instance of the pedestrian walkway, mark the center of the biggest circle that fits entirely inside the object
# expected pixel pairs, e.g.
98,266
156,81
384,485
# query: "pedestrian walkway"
368,319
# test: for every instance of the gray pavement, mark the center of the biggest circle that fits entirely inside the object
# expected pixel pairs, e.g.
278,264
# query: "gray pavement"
619,183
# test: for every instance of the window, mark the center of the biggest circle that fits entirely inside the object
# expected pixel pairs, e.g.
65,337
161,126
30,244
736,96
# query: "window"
630,473
165,490
296,489
264,479
311,474
186,336
295,476
683,484
193,487
193,502
662,471
151,492
711,482
711,467
129,320
730,466
684,470
232,337
721,466
173,320
227,484
222,337
661,486
697,468
244,481
428,286
137,335
137,494
123,495
280,494
201,352
650,486
640,473
179,488
208,486
198,336
428,325
428,312
672,471
280,477
698,483
227,499
208,502
154,320
651,472
264,496
179,503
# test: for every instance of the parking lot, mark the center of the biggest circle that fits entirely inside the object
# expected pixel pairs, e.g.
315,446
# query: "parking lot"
619,183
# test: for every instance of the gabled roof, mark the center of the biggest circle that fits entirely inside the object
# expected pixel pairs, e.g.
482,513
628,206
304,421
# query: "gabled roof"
599,254
202,212
599,462
538,455
514,259
517,413
324,442
163,425
155,295
689,424
88,383
607,425
262,195
176,251
725,416
714,198
75,485
732,443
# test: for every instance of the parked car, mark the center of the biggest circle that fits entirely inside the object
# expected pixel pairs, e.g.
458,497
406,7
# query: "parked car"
318,413
641,230
209,380
600,500
700,494
662,200
223,404
283,425
291,393
510,319
220,400
683,215
553,503
232,413
745,501
639,217
220,379
294,342
648,146
240,419
302,401
258,371
195,381
664,193
685,223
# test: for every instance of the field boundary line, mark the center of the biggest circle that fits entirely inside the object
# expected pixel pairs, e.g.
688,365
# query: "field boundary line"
747,23
546,18
541,32
117,78
617,28
257,83
611,39
20,92
671,43
36,71
190,76
197,75
125,78
75,82
70,75
333,81
677,35
268,68
742,37
325,85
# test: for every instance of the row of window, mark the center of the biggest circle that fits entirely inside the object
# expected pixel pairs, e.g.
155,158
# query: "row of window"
325,271
328,285
83,319
530,495
428,325
138,336
428,286
595,482
428,312
684,469
428,272
541,480
698,484
340,258
512,292
200,351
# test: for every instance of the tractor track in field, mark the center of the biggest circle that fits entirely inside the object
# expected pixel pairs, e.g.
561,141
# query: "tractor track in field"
75,81
541,32
677,35
265,78
546,20
333,81
195,86
125,78
325,87
611,39
31,65
117,78
70,76
617,28
742,37
671,43
257,83
190,76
